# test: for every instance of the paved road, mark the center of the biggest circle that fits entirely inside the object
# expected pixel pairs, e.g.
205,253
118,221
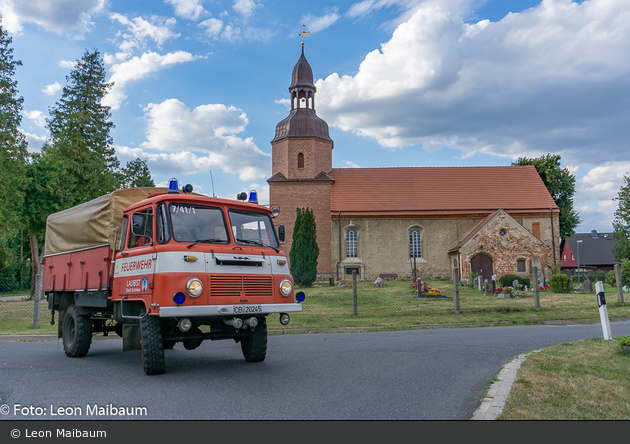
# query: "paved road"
432,374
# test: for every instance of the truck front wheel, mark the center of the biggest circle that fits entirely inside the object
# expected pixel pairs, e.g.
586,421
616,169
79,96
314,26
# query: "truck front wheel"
152,346
76,333
254,345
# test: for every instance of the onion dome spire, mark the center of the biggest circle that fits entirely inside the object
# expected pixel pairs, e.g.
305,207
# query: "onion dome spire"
302,120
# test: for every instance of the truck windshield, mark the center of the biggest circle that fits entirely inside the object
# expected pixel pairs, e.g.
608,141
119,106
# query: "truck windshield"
194,223
252,228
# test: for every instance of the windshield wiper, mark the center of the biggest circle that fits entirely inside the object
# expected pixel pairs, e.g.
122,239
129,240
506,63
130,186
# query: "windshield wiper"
247,241
207,241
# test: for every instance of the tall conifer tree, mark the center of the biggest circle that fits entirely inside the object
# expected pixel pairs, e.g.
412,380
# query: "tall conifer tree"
304,249
136,174
13,146
79,155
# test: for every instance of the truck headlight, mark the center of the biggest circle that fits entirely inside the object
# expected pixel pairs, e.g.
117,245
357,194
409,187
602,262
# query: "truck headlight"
194,287
286,287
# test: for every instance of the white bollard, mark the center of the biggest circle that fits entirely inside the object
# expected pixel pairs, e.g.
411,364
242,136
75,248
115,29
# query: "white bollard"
603,311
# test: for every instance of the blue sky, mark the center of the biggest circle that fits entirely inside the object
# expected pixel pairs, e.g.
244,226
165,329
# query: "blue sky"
199,85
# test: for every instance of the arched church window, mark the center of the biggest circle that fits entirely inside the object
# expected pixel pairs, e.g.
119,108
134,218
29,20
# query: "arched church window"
351,243
301,160
415,242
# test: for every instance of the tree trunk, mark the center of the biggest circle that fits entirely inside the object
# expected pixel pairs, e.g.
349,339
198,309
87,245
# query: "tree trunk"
36,265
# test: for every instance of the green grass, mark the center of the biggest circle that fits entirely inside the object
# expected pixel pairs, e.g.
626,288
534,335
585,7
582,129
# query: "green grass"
393,306
584,380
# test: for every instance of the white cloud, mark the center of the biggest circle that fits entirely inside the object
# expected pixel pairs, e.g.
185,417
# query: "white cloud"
187,9
52,89
284,102
552,77
159,30
245,7
37,117
213,27
34,141
602,183
67,64
60,16
315,24
138,68
211,129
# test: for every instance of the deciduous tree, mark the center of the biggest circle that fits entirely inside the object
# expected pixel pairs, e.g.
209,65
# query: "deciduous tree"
561,185
621,223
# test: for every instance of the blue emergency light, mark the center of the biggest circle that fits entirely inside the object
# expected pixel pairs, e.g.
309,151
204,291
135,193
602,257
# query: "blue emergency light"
253,197
173,186
179,298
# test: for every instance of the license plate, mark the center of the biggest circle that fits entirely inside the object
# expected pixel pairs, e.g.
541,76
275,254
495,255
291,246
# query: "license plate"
246,309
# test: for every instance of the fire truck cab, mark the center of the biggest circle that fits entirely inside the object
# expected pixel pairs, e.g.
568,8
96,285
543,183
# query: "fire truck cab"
182,268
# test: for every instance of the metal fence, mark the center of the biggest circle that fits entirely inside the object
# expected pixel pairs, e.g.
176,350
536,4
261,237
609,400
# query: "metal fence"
389,295
18,310
376,299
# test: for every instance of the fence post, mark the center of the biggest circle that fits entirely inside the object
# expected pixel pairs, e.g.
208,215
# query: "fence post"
618,280
456,287
37,300
354,294
536,295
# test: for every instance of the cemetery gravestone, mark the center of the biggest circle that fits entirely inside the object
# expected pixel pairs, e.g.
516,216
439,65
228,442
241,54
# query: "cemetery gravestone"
588,287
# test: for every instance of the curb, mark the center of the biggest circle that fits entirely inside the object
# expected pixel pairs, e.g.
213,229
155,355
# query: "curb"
494,402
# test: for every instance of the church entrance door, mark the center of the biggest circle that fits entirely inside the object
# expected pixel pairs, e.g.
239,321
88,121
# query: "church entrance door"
481,264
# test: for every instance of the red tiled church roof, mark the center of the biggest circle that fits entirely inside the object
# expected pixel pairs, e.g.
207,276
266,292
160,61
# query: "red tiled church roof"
445,190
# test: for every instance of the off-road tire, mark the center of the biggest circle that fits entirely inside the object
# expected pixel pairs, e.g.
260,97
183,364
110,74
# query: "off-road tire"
152,346
254,345
76,333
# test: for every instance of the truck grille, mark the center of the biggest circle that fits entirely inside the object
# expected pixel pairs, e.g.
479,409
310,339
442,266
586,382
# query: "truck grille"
241,286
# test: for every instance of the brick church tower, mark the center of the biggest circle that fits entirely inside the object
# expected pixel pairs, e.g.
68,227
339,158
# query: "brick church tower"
301,163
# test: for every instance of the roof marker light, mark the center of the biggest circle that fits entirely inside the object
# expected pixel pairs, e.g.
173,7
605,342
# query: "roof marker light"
253,197
173,186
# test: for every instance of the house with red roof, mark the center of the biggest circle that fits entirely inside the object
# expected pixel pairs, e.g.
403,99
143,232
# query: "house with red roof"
593,250
392,221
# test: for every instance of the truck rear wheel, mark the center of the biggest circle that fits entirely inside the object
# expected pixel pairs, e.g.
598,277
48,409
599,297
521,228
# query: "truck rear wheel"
152,346
76,333
254,345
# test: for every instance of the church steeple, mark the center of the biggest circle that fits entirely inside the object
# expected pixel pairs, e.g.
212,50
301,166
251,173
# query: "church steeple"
302,120
301,161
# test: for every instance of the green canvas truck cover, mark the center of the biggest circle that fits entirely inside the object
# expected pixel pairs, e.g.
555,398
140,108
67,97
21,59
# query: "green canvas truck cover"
92,223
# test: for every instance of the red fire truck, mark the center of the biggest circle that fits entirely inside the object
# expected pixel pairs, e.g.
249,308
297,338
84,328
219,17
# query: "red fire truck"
160,266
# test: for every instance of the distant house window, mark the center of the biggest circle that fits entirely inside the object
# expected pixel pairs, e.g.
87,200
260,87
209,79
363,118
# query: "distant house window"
572,257
351,243
415,242
520,265
301,160
564,257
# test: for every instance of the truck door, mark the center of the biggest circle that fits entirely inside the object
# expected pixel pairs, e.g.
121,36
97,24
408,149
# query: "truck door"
137,262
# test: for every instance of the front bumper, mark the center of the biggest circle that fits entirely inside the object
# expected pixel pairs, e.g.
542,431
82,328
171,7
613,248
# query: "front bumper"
224,310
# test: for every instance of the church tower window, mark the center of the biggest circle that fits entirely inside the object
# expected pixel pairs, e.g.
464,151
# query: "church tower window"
300,160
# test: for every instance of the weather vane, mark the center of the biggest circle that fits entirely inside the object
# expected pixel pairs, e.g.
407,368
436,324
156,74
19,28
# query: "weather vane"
304,33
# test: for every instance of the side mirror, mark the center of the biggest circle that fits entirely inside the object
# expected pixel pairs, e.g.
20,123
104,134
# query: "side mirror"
137,224
282,233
